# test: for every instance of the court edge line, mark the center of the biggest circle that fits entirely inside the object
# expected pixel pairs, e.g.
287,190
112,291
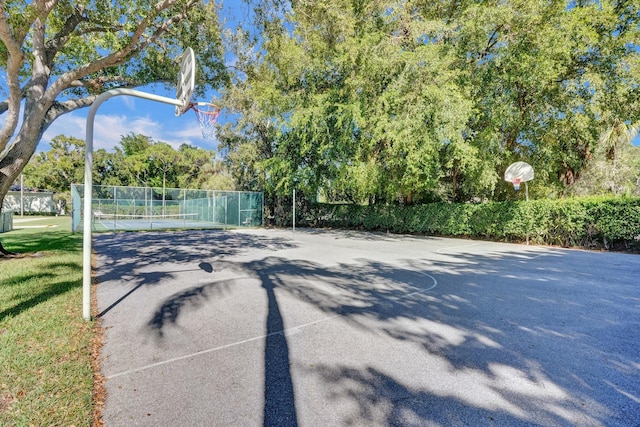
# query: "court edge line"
248,340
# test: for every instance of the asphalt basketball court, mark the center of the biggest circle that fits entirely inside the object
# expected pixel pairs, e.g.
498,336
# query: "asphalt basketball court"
336,328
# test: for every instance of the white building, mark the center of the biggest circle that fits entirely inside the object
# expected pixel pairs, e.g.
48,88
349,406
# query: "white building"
29,202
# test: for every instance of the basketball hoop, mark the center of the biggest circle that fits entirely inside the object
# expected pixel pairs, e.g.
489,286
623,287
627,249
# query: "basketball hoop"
516,183
207,115
517,173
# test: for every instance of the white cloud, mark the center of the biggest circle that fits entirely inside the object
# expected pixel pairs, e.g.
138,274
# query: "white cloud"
69,125
129,102
190,135
108,129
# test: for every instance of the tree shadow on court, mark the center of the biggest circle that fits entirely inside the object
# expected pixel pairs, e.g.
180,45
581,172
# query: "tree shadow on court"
514,329
129,255
120,253
381,399
529,339
279,398
187,300
141,259
132,256
371,236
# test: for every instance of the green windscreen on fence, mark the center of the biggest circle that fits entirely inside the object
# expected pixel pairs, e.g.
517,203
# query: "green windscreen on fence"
146,208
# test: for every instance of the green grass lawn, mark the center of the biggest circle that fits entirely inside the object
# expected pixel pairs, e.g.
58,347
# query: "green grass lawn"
46,374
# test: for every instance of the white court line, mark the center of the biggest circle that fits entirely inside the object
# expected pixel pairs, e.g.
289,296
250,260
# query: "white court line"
111,226
211,350
282,332
419,291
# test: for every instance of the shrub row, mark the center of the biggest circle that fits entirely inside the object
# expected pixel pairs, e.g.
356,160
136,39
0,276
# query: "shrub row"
594,222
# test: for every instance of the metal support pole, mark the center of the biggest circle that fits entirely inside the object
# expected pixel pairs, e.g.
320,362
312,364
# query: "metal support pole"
526,192
21,194
294,210
88,185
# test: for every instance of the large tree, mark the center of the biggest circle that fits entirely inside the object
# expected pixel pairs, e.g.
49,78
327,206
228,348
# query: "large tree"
415,100
58,56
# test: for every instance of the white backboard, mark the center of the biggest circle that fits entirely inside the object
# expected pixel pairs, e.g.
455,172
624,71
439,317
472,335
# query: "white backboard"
522,170
186,80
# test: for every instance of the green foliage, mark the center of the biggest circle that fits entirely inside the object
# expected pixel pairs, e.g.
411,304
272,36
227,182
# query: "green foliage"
133,144
103,27
59,167
615,165
594,222
412,102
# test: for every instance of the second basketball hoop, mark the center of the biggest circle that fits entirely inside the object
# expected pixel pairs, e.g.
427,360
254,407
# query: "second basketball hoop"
517,173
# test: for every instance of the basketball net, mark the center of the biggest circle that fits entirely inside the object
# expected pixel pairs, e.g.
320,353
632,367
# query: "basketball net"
516,183
207,115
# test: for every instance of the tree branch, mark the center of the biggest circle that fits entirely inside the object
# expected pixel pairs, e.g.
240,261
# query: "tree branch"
119,57
15,59
41,68
43,8
165,26
60,108
99,83
60,39
493,40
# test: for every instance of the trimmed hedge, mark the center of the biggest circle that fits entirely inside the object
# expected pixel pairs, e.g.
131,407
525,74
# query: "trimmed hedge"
594,222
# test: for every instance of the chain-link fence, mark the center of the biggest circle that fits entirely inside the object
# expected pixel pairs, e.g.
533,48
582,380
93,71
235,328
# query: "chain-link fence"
144,208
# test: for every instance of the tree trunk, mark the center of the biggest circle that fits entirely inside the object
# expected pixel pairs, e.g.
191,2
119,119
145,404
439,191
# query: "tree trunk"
17,156
22,148
4,252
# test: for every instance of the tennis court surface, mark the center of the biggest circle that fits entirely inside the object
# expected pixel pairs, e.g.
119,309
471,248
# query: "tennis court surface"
110,222
334,328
